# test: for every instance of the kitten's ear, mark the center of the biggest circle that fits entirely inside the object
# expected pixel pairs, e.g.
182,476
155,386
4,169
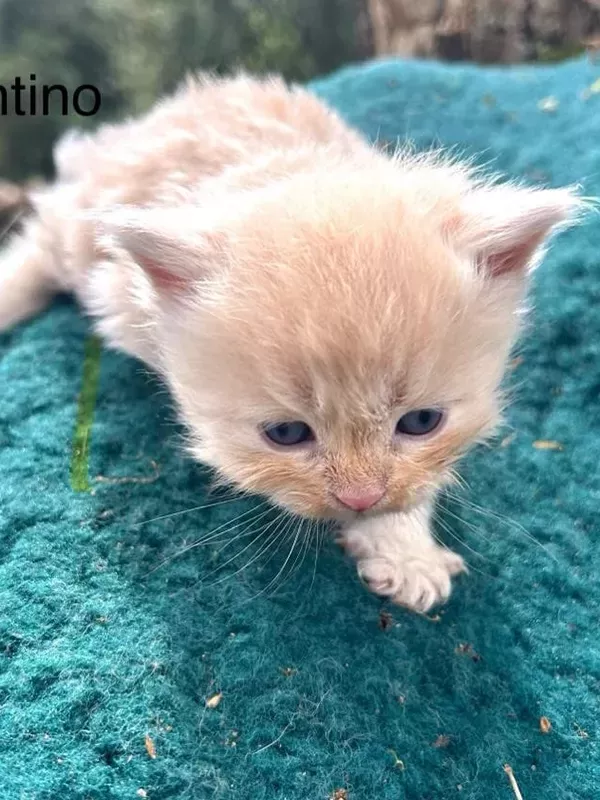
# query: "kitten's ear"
504,227
172,246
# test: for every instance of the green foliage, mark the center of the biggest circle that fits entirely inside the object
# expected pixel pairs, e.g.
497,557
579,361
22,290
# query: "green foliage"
135,50
558,53
278,45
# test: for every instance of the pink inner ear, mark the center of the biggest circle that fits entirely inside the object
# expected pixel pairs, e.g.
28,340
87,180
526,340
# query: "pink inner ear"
161,277
512,259
504,226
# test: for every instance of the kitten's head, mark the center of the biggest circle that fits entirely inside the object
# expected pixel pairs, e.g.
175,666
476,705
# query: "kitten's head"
336,341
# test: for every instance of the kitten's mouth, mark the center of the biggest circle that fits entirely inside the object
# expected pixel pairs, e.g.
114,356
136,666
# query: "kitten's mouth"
348,515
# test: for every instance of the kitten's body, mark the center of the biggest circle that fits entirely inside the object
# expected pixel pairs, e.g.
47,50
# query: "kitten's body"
272,266
208,140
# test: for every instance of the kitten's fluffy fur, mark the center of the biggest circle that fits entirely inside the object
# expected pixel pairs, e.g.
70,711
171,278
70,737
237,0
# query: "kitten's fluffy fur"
272,266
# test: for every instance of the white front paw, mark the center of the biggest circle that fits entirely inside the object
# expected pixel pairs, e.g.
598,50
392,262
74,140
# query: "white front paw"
419,581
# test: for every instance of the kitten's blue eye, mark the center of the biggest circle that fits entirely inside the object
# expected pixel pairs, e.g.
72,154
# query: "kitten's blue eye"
289,434
419,422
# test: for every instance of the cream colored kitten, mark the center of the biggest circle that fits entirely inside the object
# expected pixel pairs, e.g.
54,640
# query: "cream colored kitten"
333,323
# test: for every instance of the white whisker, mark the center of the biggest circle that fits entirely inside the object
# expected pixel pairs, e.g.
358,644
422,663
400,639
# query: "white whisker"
470,566
212,535
235,556
273,538
466,523
445,527
185,511
462,501
284,534
292,550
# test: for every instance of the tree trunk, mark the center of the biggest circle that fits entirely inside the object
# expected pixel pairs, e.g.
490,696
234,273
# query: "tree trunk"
499,31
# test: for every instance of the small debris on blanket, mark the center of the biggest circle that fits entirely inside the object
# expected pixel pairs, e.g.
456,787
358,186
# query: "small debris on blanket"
214,701
289,671
508,440
545,725
339,794
513,781
142,793
161,725
442,741
386,621
547,444
580,731
398,763
466,649
150,748
548,104
232,739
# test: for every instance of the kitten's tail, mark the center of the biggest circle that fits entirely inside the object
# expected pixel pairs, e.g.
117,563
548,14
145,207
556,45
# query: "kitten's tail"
27,273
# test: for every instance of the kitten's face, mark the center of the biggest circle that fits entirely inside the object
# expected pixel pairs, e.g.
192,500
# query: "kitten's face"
301,365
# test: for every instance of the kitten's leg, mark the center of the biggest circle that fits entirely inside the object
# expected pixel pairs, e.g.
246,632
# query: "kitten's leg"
27,282
398,557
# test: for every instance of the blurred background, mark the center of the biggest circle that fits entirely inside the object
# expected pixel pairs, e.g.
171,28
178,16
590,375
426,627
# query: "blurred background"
135,50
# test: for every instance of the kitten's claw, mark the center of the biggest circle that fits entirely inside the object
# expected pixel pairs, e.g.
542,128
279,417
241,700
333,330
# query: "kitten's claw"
418,582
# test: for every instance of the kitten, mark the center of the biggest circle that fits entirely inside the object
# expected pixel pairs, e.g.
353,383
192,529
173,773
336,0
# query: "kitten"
333,323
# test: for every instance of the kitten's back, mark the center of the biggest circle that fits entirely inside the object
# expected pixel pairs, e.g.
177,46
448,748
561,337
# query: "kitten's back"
205,128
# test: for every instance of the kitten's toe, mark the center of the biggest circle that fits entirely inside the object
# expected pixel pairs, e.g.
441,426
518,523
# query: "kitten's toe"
418,582
424,586
380,576
427,579
454,563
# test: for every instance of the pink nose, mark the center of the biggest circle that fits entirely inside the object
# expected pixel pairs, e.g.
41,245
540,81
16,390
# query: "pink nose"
360,499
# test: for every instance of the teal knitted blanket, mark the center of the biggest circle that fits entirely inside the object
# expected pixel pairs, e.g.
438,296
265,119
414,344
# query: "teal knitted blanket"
133,665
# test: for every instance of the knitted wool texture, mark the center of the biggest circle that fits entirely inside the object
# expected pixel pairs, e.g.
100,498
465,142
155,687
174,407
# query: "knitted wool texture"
112,640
